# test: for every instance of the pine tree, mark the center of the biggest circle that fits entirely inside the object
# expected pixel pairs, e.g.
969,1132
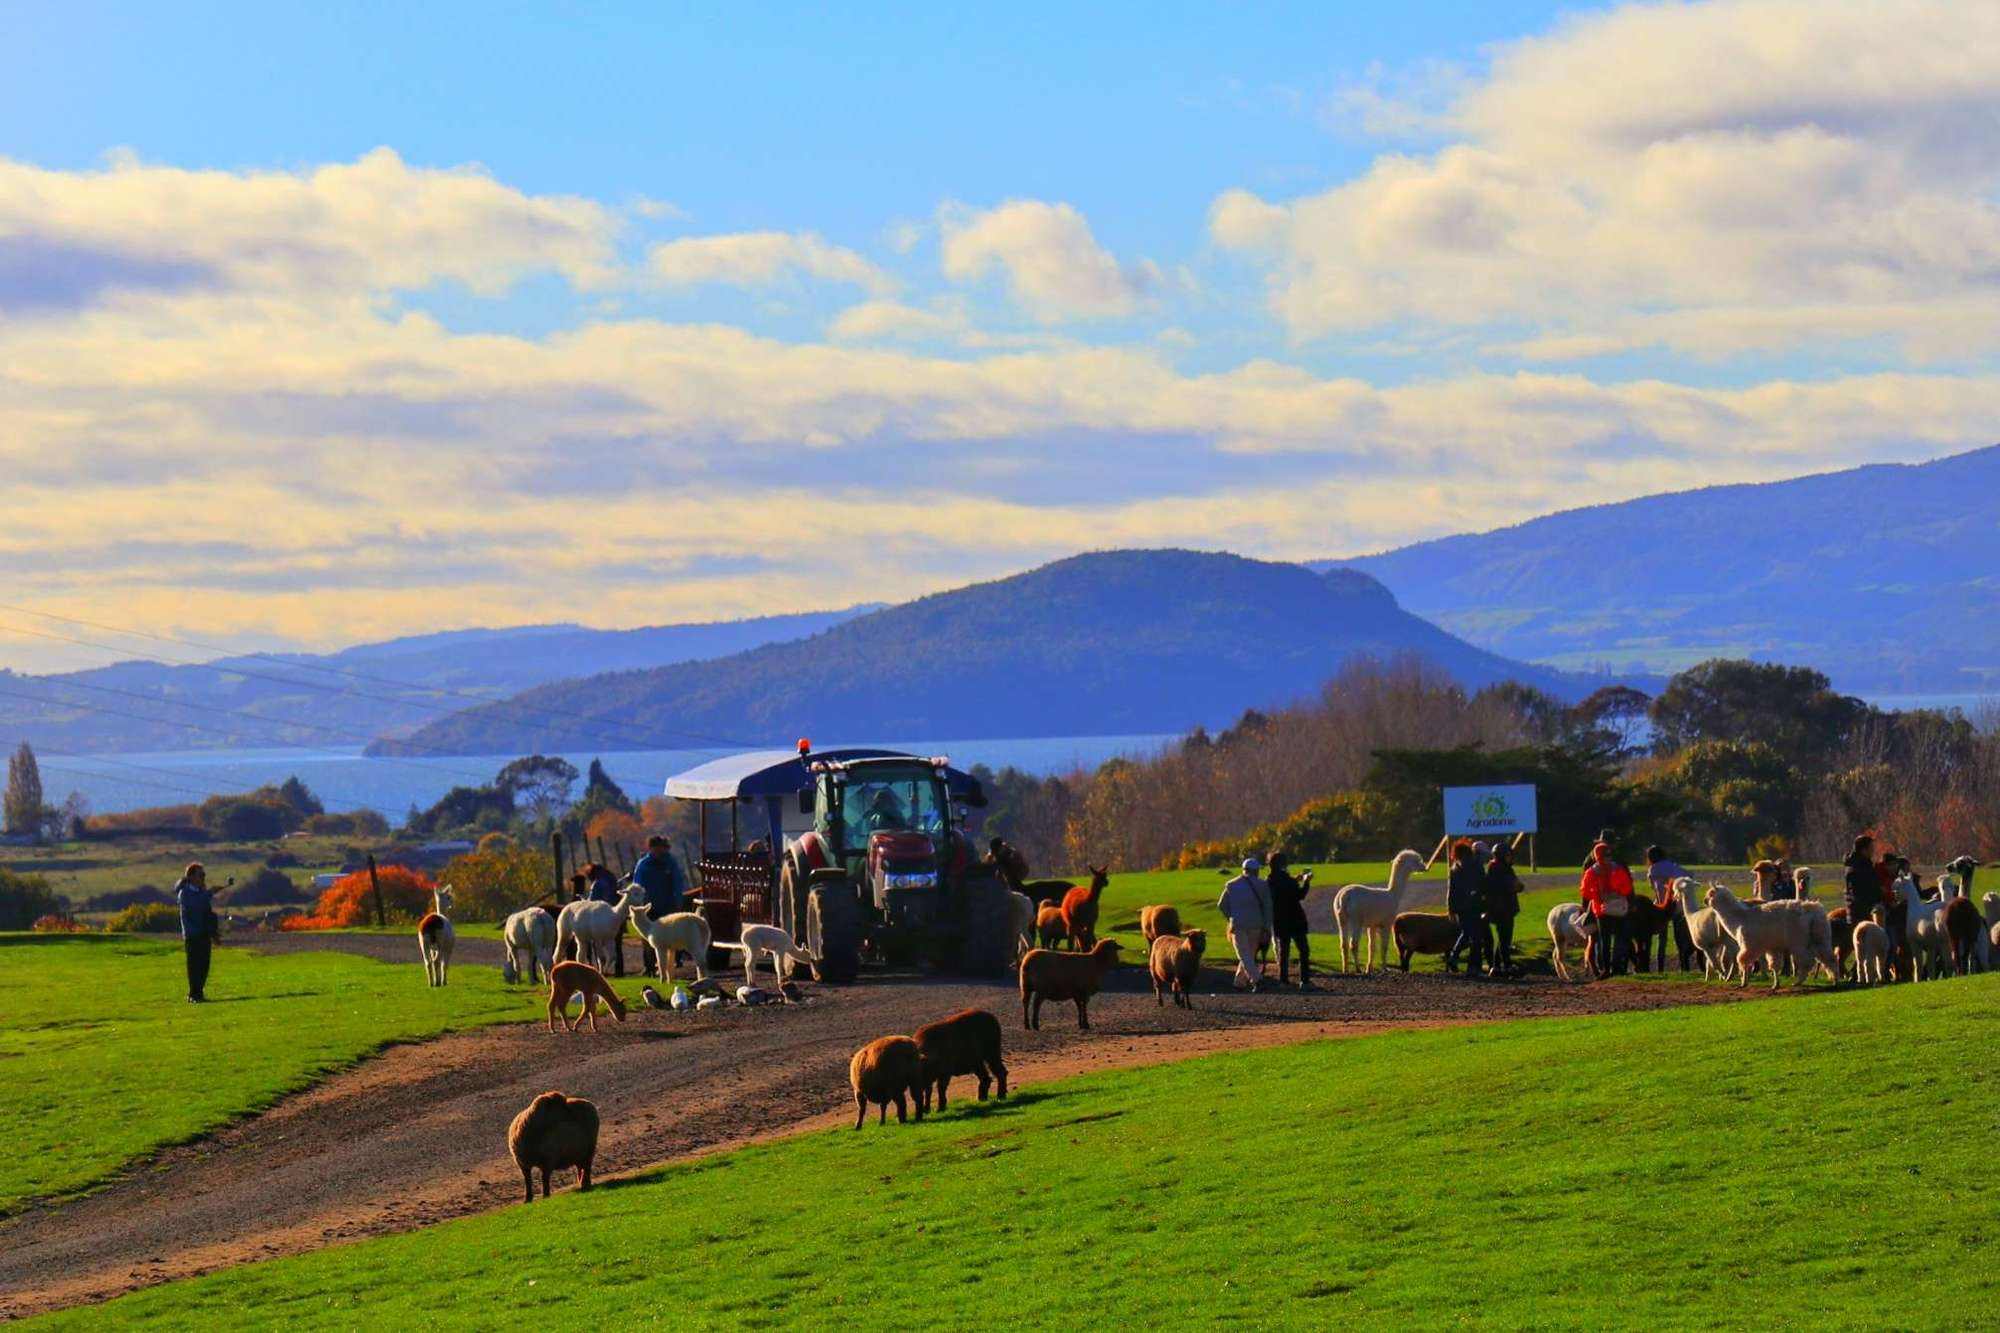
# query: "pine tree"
24,792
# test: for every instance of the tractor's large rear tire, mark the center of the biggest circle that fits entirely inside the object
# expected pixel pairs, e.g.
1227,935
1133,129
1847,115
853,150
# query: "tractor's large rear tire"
833,932
791,914
988,949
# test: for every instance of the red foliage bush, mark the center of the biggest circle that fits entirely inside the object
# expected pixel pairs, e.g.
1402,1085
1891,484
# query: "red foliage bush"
54,924
406,895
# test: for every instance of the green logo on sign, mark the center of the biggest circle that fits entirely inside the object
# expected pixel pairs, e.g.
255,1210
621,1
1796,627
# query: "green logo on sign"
1490,806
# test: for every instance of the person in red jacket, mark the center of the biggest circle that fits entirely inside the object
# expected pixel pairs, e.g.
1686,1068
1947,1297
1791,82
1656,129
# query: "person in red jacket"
1606,889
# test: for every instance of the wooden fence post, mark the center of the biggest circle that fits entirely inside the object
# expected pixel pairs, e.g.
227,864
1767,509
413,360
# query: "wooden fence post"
375,882
555,858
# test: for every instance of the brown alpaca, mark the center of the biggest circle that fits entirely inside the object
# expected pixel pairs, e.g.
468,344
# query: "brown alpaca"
554,1132
1049,929
1046,975
1079,912
569,978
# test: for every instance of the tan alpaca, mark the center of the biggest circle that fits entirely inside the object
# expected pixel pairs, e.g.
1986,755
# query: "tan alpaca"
573,978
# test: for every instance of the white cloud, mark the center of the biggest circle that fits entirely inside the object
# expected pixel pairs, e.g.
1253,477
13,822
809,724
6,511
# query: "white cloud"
873,321
1053,264
761,258
71,239
1751,158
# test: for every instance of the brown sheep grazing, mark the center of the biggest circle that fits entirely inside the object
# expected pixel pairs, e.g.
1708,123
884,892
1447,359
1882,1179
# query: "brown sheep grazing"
554,1132
1423,932
887,1069
1049,927
1048,975
1175,963
1157,921
966,1043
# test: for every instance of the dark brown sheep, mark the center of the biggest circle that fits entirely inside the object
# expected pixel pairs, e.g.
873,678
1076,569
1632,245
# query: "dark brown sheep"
556,1131
1159,920
1175,962
1962,928
1048,975
1422,932
966,1043
887,1069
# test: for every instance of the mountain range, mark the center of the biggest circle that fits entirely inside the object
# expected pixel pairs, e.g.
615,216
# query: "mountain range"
1115,642
1885,577
351,696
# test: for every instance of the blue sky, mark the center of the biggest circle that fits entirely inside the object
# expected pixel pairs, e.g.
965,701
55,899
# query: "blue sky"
437,315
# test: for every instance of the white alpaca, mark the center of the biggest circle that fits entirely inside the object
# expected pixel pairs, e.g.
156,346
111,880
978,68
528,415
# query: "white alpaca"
674,931
1718,947
594,926
436,938
1813,946
530,936
772,940
1024,923
1989,944
1871,954
1569,924
1360,909
1802,883
1768,932
1923,926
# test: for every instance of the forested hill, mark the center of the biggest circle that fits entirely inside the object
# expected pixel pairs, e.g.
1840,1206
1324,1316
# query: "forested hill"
1886,577
346,697
1109,643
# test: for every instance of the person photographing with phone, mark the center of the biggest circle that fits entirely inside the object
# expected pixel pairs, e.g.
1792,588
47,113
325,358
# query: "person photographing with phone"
200,927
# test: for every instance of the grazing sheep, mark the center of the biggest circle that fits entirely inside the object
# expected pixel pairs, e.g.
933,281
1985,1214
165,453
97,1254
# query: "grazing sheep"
569,978
588,931
1049,927
554,1132
1871,952
530,936
773,940
1159,920
1048,975
1079,911
436,938
1175,962
1569,924
1424,932
1024,923
1363,909
1717,946
672,932
887,1069
966,1043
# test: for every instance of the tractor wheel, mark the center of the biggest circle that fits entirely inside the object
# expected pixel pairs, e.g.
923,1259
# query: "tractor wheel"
791,914
989,927
833,932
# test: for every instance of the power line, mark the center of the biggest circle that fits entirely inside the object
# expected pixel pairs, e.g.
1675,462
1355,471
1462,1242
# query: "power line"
43,755
476,698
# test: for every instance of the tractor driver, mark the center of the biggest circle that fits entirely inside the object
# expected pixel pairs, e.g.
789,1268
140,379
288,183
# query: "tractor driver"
885,812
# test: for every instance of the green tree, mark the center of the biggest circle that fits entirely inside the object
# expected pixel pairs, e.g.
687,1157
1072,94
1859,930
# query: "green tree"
1794,710
539,784
24,803
300,797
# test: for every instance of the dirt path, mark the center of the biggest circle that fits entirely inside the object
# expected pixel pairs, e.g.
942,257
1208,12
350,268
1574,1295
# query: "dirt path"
417,1134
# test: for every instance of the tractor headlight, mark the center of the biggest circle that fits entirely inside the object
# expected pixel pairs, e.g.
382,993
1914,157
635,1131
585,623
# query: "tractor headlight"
915,879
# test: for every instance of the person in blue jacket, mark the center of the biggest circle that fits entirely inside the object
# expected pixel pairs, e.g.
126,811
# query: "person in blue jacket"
664,884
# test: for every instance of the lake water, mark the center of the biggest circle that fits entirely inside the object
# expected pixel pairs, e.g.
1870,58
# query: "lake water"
345,779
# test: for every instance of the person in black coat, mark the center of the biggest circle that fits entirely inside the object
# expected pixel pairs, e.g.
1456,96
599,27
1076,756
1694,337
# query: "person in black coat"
1465,899
1503,904
1288,917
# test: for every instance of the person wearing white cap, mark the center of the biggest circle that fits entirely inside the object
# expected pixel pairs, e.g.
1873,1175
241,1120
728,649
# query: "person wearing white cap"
1246,905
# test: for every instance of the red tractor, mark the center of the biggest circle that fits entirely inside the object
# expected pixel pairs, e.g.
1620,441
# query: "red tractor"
875,863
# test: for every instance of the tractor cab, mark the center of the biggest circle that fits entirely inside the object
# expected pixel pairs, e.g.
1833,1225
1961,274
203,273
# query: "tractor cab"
886,822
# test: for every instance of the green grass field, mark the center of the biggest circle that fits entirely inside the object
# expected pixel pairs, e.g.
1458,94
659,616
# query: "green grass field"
1797,1162
104,1059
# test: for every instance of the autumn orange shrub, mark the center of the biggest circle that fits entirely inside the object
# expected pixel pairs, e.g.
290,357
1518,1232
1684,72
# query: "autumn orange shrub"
616,829
350,901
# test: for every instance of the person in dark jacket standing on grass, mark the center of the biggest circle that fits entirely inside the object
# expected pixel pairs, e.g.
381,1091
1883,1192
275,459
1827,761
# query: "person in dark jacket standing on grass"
1861,891
1503,904
1288,917
1465,899
199,928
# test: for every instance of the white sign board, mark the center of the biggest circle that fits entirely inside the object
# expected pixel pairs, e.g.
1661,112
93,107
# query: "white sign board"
1472,811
